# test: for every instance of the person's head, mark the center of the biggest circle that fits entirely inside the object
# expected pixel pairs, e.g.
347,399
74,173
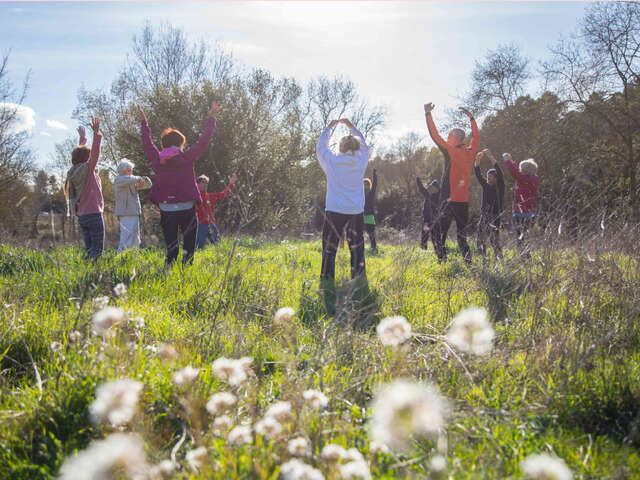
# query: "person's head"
203,183
456,137
434,187
80,154
492,176
125,167
367,184
529,166
349,143
172,138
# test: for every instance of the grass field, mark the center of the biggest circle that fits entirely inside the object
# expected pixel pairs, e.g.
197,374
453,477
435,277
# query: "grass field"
563,376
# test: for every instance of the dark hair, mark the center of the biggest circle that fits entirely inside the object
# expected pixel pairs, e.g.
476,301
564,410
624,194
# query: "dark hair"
203,178
349,142
80,154
172,138
458,132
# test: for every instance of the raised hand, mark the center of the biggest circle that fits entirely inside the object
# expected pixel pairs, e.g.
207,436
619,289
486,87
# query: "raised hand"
141,112
346,122
233,178
82,132
428,107
333,123
466,112
213,110
488,153
479,156
95,124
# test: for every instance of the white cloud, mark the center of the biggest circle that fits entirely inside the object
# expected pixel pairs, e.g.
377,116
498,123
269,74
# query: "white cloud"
56,125
24,117
45,134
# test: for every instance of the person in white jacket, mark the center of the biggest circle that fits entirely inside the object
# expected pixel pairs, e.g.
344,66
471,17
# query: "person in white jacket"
128,208
344,204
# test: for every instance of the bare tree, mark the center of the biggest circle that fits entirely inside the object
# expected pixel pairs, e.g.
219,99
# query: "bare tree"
597,70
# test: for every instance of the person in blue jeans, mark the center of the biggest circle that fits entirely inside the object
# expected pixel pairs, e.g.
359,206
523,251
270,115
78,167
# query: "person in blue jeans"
207,228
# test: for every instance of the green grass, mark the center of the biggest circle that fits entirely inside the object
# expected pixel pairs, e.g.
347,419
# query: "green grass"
563,376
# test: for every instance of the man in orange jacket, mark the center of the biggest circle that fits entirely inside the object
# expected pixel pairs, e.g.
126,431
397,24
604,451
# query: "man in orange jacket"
454,190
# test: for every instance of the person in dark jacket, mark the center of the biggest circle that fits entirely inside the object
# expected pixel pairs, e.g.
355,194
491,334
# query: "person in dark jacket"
492,202
430,205
369,209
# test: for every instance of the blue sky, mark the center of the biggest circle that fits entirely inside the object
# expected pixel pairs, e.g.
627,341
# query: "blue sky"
401,54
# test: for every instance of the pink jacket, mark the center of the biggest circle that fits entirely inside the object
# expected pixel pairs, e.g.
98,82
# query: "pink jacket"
91,200
525,193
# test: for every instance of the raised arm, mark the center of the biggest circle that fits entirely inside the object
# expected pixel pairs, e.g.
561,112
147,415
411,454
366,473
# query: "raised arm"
200,146
323,152
95,144
82,136
374,182
478,172
512,167
475,135
144,183
226,192
421,188
124,180
149,148
431,126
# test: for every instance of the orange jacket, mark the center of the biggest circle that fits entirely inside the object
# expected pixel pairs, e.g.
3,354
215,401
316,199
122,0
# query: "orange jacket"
458,162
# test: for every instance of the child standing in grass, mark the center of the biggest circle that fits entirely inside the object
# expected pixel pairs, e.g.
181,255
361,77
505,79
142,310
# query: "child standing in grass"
174,189
431,195
127,207
370,187
492,200
207,228
83,189
525,194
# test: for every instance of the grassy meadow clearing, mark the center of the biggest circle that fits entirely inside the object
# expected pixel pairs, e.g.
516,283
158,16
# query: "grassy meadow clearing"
563,376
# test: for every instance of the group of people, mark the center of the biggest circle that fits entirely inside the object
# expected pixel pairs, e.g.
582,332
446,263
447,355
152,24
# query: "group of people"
350,196
184,203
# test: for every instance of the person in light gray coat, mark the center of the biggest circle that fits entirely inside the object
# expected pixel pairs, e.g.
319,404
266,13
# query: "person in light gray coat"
128,207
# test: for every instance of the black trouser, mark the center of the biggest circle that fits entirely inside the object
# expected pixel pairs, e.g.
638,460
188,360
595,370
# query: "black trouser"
428,230
489,225
92,226
187,222
371,231
450,211
334,224
522,225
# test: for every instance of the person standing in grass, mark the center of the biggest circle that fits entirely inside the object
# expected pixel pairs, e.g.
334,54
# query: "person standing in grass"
525,195
207,228
431,195
370,187
83,190
175,190
128,209
454,189
345,198
492,201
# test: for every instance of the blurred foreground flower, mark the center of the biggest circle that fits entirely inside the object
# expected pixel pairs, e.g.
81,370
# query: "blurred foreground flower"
162,470
119,452
315,398
104,320
220,402
297,470
333,452
100,302
269,427
283,316
471,332
240,435
195,457
299,447
234,372
187,375
393,331
221,424
115,402
404,409
545,467
281,411
120,290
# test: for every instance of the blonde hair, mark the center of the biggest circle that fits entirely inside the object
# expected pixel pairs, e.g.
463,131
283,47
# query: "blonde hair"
349,142
367,183
529,166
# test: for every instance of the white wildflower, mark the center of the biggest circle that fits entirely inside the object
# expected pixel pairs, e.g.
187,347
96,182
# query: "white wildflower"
137,322
167,352
120,290
299,447
115,402
296,470
393,331
437,464
352,455
195,457
234,372
281,411
55,346
269,427
75,336
100,302
240,435
283,316
220,402
104,320
316,399
333,452
187,375
545,467
221,424
375,447
162,470
471,332
358,469
119,451
402,409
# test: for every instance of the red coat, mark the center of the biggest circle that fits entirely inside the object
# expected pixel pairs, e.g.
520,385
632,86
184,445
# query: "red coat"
206,209
525,193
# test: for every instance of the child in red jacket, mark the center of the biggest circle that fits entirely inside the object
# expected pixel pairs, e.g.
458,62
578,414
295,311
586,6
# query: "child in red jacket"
207,228
525,194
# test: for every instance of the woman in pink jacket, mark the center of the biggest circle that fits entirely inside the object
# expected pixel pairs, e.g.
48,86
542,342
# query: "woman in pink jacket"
525,194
